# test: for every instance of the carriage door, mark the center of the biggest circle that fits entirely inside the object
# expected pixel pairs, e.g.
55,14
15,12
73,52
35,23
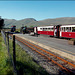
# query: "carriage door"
57,31
35,30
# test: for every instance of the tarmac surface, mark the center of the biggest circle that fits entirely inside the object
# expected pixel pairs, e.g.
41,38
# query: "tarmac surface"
56,43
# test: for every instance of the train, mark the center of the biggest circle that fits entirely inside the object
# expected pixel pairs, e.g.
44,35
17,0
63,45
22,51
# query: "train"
64,30
60,30
26,29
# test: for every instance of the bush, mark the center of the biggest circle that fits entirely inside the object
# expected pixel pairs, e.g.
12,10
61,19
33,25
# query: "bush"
72,40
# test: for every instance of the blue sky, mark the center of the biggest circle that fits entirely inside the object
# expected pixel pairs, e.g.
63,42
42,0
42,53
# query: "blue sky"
39,10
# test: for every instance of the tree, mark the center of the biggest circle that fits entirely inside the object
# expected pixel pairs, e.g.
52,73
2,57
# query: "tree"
1,23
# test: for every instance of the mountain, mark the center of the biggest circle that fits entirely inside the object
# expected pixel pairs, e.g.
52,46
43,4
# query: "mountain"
32,22
18,23
9,22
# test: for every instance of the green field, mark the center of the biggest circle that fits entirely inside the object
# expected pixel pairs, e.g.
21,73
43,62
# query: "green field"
24,63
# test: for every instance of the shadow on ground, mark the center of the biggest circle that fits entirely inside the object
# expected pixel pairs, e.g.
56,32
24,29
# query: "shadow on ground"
25,69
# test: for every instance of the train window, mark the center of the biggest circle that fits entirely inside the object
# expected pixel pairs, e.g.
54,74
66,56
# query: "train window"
44,29
40,28
73,29
64,29
51,29
68,29
48,29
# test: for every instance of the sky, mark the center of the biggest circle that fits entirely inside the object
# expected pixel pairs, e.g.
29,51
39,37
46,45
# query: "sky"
38,10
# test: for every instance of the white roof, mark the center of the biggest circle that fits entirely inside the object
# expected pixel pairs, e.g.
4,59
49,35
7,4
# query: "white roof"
68,26
46,27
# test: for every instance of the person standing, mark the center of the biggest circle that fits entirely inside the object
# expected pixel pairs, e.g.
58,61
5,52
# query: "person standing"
55,30
24,30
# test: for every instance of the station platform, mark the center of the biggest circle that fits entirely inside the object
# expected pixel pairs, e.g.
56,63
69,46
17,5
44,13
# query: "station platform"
56,45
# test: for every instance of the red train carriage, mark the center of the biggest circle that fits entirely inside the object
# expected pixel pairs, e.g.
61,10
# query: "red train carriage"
46,30
67,31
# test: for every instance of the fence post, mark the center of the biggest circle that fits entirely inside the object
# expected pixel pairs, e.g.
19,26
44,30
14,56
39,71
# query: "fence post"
5,39
14,54
8,41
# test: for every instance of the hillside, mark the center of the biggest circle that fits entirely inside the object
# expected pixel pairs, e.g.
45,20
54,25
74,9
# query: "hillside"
32,22
18,23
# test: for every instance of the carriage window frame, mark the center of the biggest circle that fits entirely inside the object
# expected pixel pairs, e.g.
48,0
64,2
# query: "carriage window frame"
73,29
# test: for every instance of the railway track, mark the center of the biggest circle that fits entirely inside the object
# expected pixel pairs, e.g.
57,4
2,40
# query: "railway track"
66,66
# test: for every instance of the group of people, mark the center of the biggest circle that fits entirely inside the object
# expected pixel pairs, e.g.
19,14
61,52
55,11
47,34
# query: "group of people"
23,30
13,28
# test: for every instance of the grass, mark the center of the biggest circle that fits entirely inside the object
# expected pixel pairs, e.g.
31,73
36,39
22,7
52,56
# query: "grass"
5,65
24,63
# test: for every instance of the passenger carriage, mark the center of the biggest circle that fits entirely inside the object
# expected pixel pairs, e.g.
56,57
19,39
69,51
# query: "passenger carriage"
46,30
67,30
